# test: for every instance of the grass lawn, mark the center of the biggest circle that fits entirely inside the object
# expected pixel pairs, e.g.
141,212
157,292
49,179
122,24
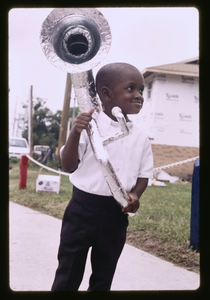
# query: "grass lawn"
161,226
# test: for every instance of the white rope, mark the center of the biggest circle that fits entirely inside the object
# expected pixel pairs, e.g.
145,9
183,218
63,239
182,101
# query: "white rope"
155,169
175,164
45,167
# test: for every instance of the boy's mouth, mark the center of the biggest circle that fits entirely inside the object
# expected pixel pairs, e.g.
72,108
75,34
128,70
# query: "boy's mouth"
137,102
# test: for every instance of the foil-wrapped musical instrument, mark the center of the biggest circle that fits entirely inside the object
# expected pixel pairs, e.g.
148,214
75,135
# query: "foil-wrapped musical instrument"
75,40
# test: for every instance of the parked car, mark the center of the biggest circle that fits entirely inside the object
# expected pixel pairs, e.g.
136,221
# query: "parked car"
18,147
41,149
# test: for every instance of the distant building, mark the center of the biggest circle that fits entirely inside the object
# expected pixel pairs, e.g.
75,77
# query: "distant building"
170,114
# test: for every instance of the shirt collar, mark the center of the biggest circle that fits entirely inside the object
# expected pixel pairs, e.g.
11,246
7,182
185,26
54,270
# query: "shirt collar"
107,122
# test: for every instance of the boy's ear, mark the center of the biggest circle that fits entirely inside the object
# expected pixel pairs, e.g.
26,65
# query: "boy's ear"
106,93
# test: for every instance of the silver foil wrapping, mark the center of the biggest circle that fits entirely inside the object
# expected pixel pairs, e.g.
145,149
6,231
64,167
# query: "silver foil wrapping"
105,165
80,66
84,88
48,30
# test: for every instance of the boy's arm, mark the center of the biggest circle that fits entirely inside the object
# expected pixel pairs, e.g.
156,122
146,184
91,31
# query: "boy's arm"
135,195
69,159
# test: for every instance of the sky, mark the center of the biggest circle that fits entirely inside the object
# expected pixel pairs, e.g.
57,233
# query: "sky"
144,37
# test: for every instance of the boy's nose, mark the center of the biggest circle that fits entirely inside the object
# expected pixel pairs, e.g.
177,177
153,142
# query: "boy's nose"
138,95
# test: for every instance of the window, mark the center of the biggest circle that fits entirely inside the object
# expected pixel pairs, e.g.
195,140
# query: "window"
149,90
17,143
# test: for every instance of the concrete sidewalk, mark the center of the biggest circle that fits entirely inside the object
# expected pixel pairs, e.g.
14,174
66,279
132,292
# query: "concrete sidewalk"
34,241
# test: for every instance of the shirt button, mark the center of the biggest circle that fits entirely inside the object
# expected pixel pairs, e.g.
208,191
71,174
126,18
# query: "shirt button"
117,170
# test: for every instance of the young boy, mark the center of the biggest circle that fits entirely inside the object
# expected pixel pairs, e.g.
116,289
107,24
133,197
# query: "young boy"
93,218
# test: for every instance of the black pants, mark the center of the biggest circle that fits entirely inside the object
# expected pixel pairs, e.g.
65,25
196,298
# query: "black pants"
90,220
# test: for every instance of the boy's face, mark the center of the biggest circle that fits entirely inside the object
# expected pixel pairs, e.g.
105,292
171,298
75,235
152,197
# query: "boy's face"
127,92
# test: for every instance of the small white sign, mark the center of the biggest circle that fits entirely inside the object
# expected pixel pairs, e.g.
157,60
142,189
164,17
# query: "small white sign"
48,184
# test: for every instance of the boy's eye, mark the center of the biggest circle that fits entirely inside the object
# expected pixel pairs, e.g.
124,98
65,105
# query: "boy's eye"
130,88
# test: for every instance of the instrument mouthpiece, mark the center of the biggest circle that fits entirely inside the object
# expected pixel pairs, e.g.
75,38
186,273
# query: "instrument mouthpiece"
116,110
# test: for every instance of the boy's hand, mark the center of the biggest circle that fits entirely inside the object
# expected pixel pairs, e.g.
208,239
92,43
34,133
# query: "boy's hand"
133,205
82,121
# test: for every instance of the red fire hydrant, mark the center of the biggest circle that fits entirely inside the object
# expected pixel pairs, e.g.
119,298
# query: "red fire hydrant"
23,172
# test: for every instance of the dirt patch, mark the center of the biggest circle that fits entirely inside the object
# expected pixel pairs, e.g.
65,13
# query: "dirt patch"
179,256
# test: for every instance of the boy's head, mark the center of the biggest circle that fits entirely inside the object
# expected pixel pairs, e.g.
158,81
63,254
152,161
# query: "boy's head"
120,84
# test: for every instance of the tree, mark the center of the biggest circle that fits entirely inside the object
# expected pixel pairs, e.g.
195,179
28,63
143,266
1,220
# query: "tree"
46,125
65,114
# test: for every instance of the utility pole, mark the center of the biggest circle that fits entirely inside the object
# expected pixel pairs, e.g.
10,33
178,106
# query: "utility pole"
30,123
14,117
17,128
73,114
65,114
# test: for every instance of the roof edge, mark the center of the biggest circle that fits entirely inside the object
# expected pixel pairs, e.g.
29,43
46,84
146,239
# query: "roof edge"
146,72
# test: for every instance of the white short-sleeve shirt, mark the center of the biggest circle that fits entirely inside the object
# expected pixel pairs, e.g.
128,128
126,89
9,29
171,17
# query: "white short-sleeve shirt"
131,157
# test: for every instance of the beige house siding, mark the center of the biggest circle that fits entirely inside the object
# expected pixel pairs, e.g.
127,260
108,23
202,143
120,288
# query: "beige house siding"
165,154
